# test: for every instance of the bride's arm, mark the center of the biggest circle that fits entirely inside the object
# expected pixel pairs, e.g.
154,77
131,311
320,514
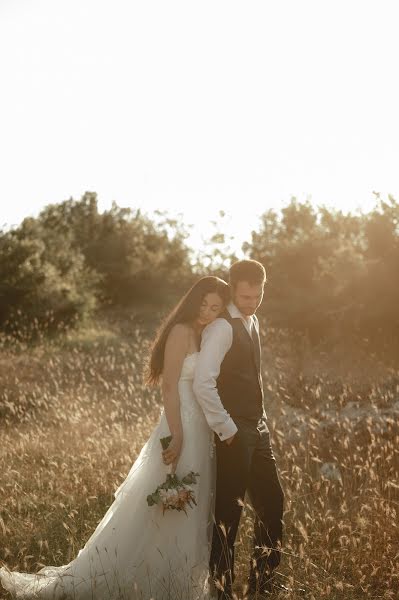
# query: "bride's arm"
175,351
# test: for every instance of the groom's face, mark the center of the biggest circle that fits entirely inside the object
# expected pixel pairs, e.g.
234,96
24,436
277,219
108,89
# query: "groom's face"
247,297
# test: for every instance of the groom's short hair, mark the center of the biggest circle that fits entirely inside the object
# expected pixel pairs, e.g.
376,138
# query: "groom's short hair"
251,271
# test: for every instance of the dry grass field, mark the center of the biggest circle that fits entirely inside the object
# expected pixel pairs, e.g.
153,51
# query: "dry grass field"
74,414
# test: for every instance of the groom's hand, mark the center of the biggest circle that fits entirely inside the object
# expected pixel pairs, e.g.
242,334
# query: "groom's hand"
230,439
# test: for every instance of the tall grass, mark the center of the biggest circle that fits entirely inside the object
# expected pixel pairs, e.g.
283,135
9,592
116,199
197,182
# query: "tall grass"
74,415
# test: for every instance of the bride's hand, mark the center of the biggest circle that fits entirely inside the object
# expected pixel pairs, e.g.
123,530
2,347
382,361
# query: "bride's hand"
172,453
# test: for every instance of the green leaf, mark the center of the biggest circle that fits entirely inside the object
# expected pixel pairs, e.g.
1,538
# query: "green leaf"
190,477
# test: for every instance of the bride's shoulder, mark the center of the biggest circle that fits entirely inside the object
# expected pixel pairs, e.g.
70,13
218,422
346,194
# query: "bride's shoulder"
180,332
180,329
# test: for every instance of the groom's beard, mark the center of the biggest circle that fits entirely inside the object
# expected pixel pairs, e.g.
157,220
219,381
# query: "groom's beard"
248,312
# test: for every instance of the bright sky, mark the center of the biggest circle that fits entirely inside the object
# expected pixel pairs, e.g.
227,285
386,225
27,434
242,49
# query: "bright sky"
194,107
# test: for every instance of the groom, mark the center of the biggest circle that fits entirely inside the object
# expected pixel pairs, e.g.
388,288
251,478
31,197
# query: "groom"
228,385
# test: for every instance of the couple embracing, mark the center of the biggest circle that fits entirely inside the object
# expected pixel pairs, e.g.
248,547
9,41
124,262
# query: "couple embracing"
207,357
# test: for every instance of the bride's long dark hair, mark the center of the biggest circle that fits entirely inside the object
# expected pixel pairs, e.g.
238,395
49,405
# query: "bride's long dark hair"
186,311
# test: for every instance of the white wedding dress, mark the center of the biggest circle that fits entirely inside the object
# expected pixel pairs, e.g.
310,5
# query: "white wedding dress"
136,552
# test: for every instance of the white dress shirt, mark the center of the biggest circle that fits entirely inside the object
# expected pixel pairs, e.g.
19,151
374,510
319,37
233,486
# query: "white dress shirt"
217,339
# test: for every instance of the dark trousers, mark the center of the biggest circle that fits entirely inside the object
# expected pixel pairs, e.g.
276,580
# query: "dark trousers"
246,465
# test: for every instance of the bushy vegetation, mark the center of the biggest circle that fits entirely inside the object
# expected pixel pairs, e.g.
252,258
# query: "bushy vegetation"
58,267
44,278
330,274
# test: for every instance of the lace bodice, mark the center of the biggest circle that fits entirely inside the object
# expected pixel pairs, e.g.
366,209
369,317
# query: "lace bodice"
187,372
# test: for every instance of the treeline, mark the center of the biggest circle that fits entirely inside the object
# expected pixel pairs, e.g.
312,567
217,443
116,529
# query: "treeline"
331,274
58,267
328,273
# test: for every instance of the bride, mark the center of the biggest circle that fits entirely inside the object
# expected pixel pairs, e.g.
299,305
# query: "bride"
136,552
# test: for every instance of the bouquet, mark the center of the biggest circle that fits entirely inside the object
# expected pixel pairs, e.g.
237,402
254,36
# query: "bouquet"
174,493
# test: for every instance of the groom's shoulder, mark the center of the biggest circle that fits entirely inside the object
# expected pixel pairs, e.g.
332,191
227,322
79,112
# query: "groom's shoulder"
224,317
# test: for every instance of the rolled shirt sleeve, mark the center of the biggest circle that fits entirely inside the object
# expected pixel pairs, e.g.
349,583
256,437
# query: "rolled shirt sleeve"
216,341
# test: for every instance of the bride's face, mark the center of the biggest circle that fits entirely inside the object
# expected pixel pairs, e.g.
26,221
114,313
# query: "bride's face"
210,309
